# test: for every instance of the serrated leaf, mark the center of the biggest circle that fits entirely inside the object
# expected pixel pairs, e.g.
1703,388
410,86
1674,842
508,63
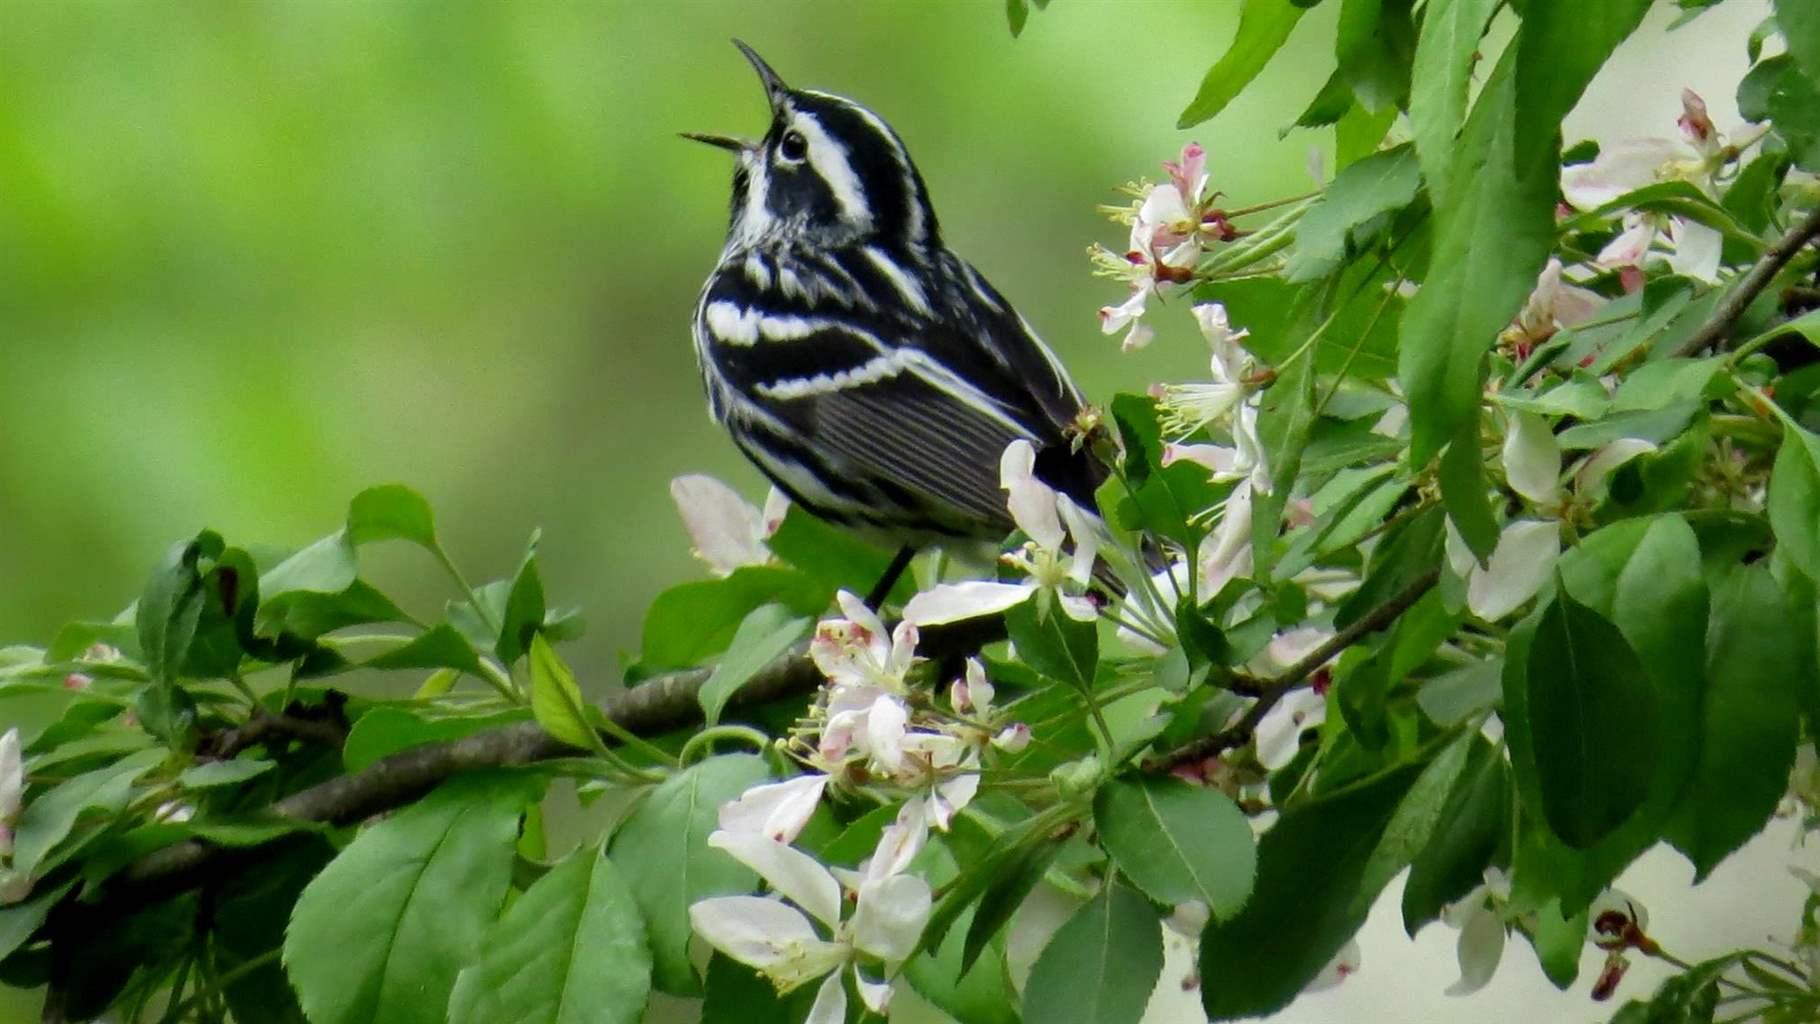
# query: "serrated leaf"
663,851
171,606
1748,720
391,512
1561,45
1264,25
327,566
440,647
308,614
1465,839
1372,187
1418,814
1444,57
1592,720
1178,842
1794,498
1099,967
1310,865
571,950
763,637
1799,21
556,700
1374,47
379,936
1473,289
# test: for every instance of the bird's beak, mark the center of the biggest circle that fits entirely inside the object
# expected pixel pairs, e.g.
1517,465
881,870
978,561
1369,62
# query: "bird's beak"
775,89
721,141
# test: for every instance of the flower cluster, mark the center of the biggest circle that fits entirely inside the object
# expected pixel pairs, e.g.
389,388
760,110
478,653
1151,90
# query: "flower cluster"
866,732
13,886
1170,227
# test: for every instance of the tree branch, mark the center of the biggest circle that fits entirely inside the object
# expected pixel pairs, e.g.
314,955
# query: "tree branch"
1751,284
1271,691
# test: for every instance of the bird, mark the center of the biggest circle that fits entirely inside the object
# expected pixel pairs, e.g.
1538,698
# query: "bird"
871,373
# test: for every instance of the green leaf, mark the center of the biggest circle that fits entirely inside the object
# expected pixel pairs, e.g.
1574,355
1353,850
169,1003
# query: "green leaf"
223,773
663,851
1374,186
1403,557
386,730
308,614
251,908
1559,940
1680,198
1100,966
736,994
1474,289
571,950
441,647
1444,58
1016,14
1264,25
1310,866
1749,715
1581,396
19,921
1374,47
1464,489
1418,815
1453,697
524,609
696,620
1178,842
1285,416
1464,841
1665,382
1005,891
391,512
379,936
1561,45
1329,105
325,567
1799,21
171,606
556,700
1054,644
1776,90
1794,497
50,816
833,556
763,637
1592,720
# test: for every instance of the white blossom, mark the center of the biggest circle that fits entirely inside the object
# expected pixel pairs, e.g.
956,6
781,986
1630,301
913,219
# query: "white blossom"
727,531
776,810
1479,915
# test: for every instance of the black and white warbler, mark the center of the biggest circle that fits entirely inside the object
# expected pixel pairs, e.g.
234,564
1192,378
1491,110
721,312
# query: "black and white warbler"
867,370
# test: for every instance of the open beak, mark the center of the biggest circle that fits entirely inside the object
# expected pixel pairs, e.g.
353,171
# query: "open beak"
720,141
776,92
775,89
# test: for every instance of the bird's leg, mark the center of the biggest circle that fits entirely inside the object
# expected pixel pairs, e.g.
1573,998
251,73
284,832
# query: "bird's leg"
882,589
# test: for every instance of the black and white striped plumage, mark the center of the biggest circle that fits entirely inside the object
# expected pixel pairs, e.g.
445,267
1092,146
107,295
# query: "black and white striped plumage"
870,372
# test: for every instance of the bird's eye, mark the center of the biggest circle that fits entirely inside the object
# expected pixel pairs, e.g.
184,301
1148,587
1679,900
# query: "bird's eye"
793,147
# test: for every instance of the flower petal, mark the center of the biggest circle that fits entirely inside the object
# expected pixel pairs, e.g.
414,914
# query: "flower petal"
765,934
830,1003
1480,948
791,872
1030,501
724,528
890,916
1524,559
885,727
1619,168
1696,252
875,994
1532,458
1592,473
952,602
775,810
899,843
1279,733
12,776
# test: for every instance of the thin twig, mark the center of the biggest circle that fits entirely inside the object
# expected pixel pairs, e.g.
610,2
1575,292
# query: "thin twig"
1751,284
1273,690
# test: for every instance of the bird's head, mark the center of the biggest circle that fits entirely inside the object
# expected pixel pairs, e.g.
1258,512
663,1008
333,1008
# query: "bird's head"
827,172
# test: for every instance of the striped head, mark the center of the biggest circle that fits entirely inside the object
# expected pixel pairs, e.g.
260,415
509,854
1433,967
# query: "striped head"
827,173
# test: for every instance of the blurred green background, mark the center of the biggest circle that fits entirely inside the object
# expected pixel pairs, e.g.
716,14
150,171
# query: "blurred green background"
257,256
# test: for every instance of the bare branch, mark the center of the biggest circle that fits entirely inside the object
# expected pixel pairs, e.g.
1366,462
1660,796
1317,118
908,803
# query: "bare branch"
1751,284
1272,690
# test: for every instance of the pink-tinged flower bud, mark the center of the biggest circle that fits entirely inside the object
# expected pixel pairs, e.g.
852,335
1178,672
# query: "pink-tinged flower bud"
1694,122
1013,738
77,681
101,652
